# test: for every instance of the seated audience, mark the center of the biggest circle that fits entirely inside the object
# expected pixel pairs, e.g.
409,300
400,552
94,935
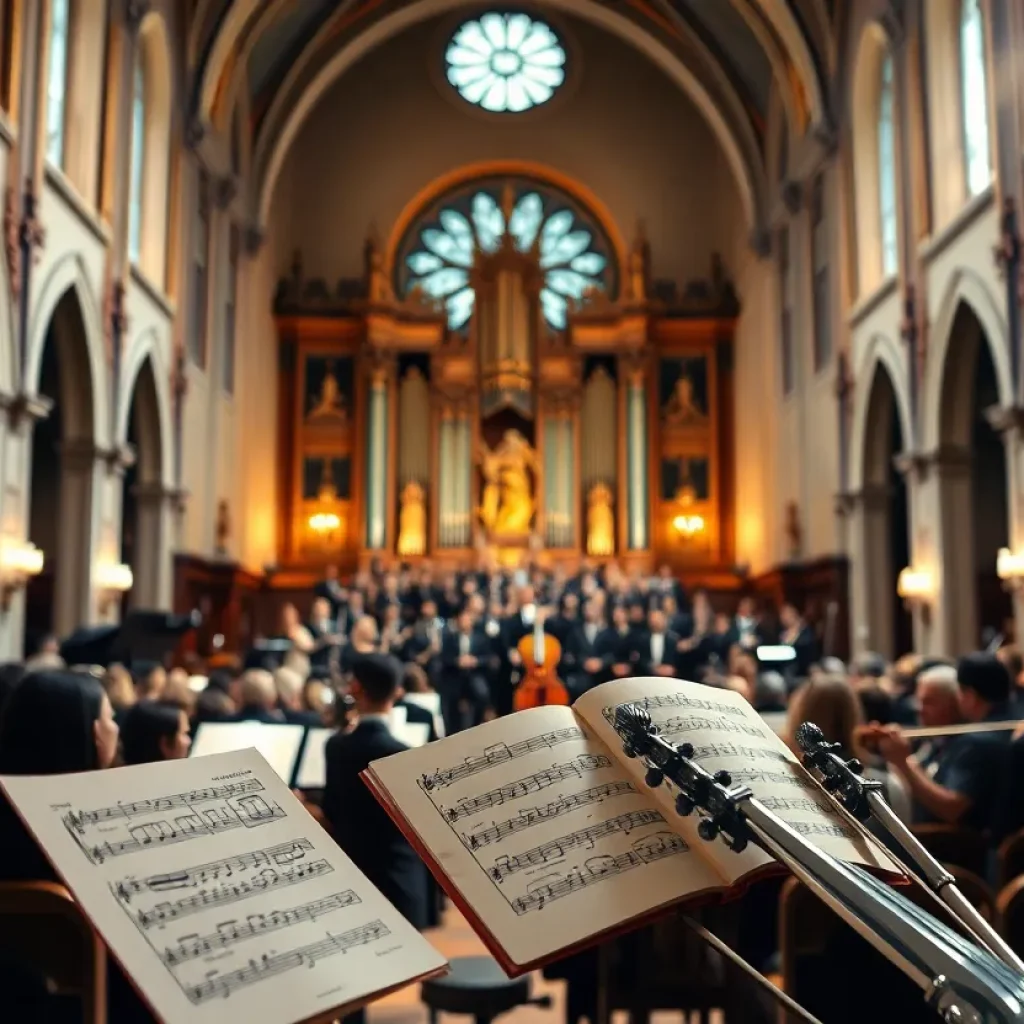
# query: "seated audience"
120,689
289,685
154,732
150,680
292,629
414,680
259,698
214,704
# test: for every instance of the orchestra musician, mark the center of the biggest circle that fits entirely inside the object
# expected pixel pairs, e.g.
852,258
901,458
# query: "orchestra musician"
654,651
614,644
583,665
465,695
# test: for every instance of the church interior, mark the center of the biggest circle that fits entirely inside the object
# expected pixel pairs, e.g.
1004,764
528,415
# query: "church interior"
686,333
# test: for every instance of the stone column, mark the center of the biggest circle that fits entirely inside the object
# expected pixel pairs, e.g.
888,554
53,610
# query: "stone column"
376,483
157,509
637,462
82,470
1009,423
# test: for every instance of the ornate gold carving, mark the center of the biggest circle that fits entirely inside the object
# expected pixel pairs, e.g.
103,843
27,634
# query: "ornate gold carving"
412,520
330,406
507,504
681,409
600,521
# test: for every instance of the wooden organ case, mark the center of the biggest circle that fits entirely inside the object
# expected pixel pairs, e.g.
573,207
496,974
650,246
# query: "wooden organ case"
513,435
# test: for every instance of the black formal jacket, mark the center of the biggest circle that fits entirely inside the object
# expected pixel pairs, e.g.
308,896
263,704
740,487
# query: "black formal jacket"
642,656
362,828
479,647
421,716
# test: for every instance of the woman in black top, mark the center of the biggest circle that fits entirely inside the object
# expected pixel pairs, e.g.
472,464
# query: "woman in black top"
55,723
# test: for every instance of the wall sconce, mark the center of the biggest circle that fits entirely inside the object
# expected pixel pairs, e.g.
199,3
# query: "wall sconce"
19,562
688,526
112,580
1010,568
917,589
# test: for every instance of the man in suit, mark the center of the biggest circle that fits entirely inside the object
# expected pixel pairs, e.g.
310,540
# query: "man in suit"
259,698
583,666
358,823
465,696
614,644
414,680
654,651
332,591
798,635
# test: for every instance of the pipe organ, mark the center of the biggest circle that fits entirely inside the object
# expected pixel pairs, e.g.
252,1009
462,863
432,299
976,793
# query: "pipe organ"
507,382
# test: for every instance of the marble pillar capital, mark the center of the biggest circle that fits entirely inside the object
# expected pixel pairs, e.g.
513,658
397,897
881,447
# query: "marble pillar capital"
872,498
946,460
1007,420
156,494
25,410
80,455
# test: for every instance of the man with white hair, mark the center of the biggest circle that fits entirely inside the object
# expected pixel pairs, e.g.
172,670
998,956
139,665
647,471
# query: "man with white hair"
938,699
290,686
259,698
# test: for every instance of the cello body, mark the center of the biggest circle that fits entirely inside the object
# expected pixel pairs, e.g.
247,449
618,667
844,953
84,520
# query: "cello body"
540,685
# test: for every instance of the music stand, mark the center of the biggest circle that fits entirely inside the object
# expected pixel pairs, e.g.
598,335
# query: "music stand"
143,637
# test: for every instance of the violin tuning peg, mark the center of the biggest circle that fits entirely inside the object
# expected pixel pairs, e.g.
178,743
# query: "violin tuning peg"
830,783
708,830
654,777
686,750
628,750
684,805
723,778
855,765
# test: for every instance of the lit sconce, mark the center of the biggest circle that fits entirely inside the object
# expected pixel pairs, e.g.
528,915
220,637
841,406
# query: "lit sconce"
688,526
1010,568
112,580
917,589
19,562
324,523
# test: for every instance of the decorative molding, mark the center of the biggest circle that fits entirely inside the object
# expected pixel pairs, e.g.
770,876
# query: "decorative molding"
31,232
23,409
12,233
83,454
1005,419
948,458
253,238
115,322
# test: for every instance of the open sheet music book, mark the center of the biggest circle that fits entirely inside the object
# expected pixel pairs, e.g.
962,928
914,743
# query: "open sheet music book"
546,836
218,893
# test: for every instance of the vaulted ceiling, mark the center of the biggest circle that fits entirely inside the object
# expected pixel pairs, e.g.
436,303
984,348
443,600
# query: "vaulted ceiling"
274,58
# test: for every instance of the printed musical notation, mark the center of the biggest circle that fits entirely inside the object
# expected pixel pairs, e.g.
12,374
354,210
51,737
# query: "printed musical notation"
576,768
625,823
657,702
598,869
269,965
538,815
500,753
129,828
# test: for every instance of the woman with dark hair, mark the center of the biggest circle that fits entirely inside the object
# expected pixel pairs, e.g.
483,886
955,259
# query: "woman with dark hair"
56,723
154,732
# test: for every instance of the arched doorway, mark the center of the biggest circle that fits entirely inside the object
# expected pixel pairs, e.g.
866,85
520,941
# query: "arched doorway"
973,491
142,494
60,520
886,519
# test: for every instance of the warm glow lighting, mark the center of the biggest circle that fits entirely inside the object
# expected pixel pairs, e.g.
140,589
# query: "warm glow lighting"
114,577
324,522
688,525
1010,566
20,560
915,584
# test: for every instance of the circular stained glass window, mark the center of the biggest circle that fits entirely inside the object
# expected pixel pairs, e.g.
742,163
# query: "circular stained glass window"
442,249
505,63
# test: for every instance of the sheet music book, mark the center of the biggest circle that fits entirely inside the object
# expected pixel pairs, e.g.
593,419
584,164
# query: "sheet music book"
218,893
548,839
279,744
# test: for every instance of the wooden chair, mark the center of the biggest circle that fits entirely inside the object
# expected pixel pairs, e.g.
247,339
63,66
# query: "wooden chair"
42,926
951,844
1010,859
1010,911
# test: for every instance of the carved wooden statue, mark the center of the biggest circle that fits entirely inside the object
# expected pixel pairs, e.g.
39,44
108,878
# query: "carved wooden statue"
412,520
600,522
682,410
507,504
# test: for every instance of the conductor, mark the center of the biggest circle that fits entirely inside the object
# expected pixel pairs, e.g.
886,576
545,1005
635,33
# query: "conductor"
359,824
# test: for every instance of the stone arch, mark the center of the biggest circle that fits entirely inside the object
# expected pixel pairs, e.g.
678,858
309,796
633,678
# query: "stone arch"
63,480
67,277
864,102
157,98
145,357
881,424
946,361
273,149
881,355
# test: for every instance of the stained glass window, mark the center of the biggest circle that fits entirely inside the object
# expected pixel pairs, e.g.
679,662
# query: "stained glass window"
974,97
137,165
887,170
56,80
439,253
505,63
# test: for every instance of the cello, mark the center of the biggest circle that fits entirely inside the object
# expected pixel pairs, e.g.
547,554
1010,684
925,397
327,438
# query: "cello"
540,653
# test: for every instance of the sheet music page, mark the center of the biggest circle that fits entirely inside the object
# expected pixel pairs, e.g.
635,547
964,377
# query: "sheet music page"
728,734
279,744
312,770
218,892
540,830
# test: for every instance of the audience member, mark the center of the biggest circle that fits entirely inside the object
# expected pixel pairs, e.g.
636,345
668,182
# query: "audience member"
259,698
154,732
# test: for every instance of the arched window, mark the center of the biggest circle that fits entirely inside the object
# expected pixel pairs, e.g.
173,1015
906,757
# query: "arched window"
974,98
887,169
56,80
138,164
438,254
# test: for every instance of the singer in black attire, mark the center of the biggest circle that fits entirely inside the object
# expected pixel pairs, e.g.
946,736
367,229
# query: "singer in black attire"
360,826
53,723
